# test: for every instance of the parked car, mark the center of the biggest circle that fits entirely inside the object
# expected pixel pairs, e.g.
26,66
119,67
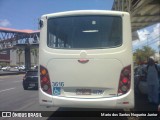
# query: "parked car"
30,79
21,68
35,67
141,81
16,67
7,68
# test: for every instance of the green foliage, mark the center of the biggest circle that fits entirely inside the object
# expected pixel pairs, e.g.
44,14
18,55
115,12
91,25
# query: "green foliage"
142,55
19,52
2,64
35,52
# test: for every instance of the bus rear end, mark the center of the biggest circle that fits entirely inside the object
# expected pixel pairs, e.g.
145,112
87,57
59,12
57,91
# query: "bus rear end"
86,60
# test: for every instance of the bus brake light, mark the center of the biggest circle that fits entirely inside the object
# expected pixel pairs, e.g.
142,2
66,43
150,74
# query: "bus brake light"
125,80
45,80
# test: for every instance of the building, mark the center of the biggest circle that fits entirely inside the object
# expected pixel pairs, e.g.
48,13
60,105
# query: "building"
18,57
4,58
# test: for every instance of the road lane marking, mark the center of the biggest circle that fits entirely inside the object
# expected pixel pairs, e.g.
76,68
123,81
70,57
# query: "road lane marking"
17,81
6,89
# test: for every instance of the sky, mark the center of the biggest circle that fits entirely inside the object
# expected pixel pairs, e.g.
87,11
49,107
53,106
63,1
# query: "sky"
148,36
24,14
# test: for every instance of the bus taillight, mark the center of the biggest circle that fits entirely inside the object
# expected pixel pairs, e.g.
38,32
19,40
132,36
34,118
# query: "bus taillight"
44,80
125,80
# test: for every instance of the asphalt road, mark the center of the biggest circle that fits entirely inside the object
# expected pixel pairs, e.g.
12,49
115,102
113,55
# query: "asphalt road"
14,98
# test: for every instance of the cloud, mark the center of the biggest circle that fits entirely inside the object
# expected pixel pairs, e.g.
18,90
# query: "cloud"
156,31
151,33
158,43
155,34
135,42
143,34
5,23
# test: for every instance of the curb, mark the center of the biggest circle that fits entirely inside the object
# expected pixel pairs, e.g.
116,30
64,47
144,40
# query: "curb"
12,73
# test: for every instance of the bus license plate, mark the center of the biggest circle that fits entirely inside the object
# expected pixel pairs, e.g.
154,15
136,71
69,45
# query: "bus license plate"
83,91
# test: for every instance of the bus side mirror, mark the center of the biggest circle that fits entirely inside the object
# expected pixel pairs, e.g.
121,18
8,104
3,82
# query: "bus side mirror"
40,24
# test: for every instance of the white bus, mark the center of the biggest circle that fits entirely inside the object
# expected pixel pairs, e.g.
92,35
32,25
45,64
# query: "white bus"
86,60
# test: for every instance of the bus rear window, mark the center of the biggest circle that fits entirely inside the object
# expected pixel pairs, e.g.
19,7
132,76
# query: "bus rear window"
84,32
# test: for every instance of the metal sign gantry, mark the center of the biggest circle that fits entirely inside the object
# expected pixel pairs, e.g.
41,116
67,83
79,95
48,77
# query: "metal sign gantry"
12,38
143,12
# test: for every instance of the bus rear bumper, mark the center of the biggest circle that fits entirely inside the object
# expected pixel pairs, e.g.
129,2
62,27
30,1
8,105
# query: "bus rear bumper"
120,102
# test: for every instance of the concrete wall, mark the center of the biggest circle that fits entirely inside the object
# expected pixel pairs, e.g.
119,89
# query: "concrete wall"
14,58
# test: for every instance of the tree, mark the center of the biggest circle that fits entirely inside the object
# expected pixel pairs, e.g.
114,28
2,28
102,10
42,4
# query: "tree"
148,51
143,54
138,56
19,52
35,54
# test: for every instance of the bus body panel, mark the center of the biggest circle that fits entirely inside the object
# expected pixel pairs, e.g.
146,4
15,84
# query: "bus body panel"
111,103
99,77
96,76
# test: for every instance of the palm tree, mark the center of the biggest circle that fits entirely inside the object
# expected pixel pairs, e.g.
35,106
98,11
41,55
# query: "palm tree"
19,52
143,54
35,54
148,51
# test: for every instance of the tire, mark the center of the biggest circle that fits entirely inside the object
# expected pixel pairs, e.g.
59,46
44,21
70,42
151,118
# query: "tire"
25,87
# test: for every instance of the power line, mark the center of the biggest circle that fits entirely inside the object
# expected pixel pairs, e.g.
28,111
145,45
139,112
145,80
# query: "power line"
150,42
144,42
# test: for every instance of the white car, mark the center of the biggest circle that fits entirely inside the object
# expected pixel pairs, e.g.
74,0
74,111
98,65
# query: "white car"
35,67
7,68
21,68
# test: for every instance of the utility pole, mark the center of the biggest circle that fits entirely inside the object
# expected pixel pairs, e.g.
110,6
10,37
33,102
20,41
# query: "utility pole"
159,51
147,45
147,38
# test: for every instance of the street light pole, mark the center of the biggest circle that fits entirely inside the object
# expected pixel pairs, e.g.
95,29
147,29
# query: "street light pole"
147,39
147,46
159,51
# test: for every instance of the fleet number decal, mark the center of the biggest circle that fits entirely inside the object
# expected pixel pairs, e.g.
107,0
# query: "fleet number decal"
58,84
